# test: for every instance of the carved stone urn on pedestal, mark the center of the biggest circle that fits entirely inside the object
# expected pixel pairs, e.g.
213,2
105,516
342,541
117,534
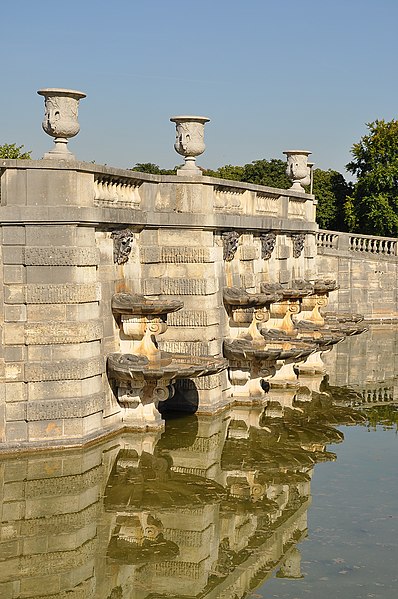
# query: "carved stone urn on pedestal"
297,168
60,119
189,141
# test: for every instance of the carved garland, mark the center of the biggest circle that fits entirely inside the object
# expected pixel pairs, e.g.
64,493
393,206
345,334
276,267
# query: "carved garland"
230,244
268,241
122,245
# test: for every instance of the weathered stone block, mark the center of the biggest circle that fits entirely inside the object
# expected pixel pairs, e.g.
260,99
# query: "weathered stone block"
64,408
248,281
16,431
8,550
171,286
45,313
13,274
194,348
62,332
34,585
36,544
250,252
16,411
14,334
14,294
13,254
14,491
14,371
64,370
14,353
60,274
15,391
283,252
15,313
45,429
62,293
13,235
61,256
193,318
8,590
177,254
284,276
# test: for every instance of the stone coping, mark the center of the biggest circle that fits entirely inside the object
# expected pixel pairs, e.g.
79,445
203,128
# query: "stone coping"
137,219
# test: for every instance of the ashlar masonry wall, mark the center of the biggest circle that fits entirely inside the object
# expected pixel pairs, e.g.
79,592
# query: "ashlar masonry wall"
366,268
190,237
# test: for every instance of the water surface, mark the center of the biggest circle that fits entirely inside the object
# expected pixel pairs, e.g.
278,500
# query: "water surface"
294,498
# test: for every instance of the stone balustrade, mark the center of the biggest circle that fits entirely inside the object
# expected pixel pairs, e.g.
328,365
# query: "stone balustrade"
356,243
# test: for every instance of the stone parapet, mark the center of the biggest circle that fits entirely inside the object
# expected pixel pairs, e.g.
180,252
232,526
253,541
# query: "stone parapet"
366,268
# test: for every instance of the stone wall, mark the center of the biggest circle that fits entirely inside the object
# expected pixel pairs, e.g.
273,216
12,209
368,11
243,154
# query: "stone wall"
366,269
189,237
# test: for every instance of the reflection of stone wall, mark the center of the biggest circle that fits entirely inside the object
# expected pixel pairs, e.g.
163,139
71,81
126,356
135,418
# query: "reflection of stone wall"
48,529
367,362
62,515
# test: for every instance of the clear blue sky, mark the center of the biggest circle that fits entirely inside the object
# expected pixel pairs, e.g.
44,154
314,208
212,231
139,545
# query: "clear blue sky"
271,75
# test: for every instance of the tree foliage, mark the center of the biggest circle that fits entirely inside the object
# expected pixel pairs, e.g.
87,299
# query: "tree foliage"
372,207
153,169
271,173
12,151
331,190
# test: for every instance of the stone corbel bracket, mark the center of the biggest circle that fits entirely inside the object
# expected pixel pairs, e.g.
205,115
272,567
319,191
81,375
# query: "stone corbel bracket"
122,245
230,241
298,244
268,242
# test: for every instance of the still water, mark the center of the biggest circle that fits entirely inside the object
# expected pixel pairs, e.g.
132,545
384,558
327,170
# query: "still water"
294,499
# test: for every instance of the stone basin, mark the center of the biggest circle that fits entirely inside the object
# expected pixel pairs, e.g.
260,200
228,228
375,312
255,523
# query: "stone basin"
286,293
135,304
325,286
123,367
246,349
239,298
315,335
300,288
334,326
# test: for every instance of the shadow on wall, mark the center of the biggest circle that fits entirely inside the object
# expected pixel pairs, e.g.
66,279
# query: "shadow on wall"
185,399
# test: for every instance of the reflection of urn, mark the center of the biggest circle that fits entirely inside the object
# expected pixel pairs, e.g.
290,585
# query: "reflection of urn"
297,168
190,141
60,119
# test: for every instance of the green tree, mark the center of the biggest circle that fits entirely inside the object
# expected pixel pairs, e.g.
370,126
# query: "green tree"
147,167
153,169
267,172
372,207
331,190
12,151
233,173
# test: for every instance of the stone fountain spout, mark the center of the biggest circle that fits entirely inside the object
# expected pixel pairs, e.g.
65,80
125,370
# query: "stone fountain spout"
145,375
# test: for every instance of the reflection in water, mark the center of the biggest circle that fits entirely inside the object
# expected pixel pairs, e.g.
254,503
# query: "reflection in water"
210,509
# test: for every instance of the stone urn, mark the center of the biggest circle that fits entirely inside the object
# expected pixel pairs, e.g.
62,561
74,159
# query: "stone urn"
297,168
189,141
60,119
